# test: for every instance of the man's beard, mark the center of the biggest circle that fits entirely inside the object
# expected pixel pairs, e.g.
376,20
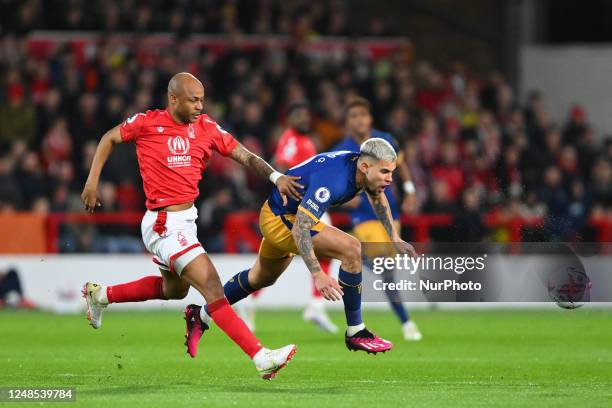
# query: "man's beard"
373,193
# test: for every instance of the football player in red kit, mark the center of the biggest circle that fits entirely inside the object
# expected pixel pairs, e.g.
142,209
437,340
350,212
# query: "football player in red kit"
294,147
172,147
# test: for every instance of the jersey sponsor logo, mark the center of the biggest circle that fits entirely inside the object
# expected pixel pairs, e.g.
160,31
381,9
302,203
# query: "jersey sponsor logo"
312,205
179,147
322,194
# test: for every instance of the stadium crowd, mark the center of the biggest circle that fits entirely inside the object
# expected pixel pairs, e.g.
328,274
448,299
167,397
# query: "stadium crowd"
300,18
471,146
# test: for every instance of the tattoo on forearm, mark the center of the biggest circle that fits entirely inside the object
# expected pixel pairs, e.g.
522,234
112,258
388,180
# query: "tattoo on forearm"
253,162
382,213
303,241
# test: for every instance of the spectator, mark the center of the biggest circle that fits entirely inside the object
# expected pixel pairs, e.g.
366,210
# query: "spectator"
449,171
467,221
32,179
576,125
601,184
456,130
113,238
17,117
212,212
10,192
439,201
557,202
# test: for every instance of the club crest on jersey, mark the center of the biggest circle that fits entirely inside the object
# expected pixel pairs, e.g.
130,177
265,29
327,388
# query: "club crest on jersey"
191,131
179,147
322,194
160,129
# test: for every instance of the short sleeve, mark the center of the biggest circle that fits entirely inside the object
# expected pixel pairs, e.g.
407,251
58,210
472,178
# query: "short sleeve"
130,129
223,141
319,196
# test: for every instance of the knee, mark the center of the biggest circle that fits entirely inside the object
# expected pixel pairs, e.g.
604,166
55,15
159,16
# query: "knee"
352,255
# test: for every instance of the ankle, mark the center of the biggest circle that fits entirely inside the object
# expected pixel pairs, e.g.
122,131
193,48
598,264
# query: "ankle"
101,296
352,330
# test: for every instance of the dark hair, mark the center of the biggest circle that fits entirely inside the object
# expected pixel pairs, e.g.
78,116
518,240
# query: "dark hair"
296,106
354,102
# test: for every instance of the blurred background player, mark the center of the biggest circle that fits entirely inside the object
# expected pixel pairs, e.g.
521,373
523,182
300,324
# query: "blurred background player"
173,146
329,179
294,147
366,226
11,292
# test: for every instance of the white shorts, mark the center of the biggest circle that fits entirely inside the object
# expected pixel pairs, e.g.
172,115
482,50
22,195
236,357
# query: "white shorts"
172,238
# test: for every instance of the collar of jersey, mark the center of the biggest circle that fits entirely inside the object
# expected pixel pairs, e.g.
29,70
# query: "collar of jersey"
171,118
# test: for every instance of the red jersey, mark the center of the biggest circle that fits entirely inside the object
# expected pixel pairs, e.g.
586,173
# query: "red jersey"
293,148
171,155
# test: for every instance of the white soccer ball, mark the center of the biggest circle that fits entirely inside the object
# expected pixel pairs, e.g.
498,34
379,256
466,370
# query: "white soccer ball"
569,287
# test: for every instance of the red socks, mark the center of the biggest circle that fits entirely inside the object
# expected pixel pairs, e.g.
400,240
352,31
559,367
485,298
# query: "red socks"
325,268
225,317
221,312
149,287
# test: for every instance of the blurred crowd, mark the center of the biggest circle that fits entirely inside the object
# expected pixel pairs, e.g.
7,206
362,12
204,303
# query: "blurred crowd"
471,147
301,18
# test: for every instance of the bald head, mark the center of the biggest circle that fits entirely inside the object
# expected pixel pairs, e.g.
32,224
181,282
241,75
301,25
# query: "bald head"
185,97
179,82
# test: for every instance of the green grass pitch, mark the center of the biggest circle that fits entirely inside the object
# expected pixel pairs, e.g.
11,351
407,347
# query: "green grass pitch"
466,359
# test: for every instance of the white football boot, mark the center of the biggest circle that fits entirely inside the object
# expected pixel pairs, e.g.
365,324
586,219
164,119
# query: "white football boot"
95,305
411,331
270,362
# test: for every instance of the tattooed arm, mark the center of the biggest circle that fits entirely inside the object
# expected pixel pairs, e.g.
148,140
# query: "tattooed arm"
380,204
303,240
251,161
287,185
329,288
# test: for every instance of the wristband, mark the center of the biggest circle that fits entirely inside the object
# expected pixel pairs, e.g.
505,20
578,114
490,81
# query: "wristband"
409,187
275,176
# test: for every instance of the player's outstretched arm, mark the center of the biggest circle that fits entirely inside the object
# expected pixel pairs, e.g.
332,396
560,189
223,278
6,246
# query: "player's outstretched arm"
381,207
330,289
287,185
89,196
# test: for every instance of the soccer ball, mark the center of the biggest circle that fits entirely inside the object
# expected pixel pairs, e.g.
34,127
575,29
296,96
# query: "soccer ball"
569,287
